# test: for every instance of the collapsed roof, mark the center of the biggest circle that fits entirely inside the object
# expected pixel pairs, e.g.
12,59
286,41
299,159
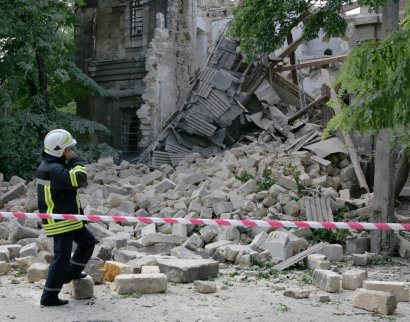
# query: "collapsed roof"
231,99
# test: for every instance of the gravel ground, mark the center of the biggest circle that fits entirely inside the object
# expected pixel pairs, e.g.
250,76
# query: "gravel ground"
237,299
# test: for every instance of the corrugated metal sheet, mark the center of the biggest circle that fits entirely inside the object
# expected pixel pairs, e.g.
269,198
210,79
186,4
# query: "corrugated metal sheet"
204,86
217,103
176,153
174,148
207,75
195,123
176,158
318,209
159,158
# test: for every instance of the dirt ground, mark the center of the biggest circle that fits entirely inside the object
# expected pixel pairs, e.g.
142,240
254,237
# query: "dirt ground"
237,299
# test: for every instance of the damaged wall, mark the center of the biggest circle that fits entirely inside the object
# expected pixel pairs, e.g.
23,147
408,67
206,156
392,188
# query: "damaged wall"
136,49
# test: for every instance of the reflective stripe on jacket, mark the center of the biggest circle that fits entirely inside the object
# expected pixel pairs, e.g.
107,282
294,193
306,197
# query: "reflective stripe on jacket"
57,183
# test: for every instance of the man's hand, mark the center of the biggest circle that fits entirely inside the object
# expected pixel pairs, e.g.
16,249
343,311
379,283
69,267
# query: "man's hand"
69,153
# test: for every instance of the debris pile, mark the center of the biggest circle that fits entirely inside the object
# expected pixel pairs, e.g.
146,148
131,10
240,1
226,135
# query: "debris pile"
255,181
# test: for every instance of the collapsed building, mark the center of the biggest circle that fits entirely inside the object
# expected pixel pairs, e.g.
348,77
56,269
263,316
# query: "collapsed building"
184,87
145,52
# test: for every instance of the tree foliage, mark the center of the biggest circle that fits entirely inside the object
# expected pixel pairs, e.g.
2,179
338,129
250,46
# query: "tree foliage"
36,55
37,79
377,75
262,26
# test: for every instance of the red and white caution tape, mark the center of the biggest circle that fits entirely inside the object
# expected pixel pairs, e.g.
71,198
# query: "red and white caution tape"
215,222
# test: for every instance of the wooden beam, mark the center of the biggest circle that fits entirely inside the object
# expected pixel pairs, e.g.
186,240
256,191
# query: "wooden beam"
348,139
310,63
291,48
303,111
292,88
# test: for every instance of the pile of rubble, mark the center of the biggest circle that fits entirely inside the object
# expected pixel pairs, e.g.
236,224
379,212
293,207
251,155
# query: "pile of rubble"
256,181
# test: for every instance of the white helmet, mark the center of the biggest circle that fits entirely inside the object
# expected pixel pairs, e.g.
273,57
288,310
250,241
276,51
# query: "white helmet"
57,141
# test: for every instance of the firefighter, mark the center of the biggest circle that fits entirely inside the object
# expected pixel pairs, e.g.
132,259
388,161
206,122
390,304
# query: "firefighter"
58,177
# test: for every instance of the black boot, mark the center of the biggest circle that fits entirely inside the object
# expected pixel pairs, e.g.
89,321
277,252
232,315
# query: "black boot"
53,302
68,279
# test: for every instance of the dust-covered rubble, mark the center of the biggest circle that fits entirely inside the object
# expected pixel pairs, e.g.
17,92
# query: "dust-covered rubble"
255,181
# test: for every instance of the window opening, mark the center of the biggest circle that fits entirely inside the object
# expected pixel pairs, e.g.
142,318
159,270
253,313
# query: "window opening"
136,19
130,132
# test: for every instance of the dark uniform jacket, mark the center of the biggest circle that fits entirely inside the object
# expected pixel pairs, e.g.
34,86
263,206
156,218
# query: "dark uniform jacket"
57,183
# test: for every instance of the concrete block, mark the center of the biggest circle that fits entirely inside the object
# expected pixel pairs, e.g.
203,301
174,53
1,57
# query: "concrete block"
151,177
353,279
361,259
317,261
205,287
164,186
399,289
142,283
358,245
188,270
375,301
25,262
229,233
150,269
115,199
212,247
4,268
15,192
29,250
258,242
207,233
99,230
325,181
4,255
125,255
404,247
248,187
95,268
333,252
206,213
184,253
148,229
103,252
136,264
231,251
326,280
82,288
37,272
179,230
279,245
18,232
115,242
155,238
292,208
194,242
4,231
297,293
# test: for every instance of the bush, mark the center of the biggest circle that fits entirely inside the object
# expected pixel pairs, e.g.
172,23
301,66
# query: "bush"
265,182
244,177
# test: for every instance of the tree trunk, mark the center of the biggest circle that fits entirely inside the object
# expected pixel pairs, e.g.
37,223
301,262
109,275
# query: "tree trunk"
382,241
31,84
42,77
402,174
